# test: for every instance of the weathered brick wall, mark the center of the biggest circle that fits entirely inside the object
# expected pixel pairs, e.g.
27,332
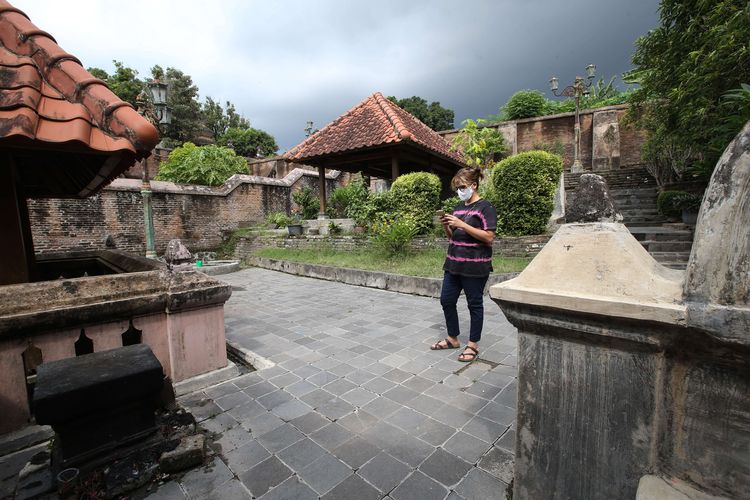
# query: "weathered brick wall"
198,215
530,133
508,246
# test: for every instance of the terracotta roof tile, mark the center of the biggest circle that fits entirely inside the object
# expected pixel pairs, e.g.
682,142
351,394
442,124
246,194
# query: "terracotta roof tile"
374,121
47,98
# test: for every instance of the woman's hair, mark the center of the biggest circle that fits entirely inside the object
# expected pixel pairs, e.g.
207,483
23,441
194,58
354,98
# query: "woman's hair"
467,176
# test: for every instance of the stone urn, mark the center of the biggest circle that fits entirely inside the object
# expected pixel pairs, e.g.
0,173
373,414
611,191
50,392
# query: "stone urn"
294,229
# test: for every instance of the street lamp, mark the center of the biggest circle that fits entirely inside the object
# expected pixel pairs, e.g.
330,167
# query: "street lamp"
579,88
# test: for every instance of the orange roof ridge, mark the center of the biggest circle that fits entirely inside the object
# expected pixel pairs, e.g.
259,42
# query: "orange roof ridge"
387,107
25,44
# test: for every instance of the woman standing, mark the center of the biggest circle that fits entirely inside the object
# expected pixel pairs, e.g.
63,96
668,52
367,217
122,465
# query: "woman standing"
471,229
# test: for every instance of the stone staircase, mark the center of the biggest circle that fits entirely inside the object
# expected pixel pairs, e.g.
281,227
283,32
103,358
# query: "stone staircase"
634,192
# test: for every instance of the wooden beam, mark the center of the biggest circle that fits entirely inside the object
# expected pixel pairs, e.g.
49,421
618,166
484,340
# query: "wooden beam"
17,250
322,191
394,168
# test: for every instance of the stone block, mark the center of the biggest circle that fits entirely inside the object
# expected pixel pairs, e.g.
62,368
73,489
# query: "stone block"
190,452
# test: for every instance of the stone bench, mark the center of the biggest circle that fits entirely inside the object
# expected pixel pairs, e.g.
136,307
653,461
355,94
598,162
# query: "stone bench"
98,401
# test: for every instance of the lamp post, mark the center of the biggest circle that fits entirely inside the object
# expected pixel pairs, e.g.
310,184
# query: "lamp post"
579,88
156,111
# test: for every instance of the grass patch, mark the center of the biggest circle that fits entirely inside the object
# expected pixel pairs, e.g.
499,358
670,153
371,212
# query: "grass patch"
426,263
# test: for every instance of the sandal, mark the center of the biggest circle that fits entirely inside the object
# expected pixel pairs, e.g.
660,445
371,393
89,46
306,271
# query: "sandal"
437,346
471,355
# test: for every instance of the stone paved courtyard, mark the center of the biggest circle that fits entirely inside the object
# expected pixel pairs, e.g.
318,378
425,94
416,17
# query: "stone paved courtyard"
356,406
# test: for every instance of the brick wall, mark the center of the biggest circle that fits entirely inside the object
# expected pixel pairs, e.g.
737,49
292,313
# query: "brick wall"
198,215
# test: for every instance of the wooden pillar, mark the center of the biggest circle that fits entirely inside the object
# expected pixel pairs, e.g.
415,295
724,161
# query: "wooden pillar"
394,168
17,249
322,192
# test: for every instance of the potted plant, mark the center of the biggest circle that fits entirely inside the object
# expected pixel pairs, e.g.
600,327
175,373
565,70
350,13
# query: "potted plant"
294,225
689,204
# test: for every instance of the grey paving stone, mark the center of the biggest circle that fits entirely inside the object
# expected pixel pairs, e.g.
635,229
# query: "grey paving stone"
508,441
204,409
291,410
342,369
262,423
425,404
444,467
497,379
355,452
168,491
410,450
318,398
271,372
232,400
352,487
381,407
360,377
247,380
508,396
475,370
378,368
406,419
246,456
279,438
358,421
360,362
466,446
396,375
250,409
233,438
284,380
418,384
198,483
498,413
384,435
219,424
457,381
483,390
335,409
260,389
394,360
220,390
468,402
434,432
301,388
358,396
326,363
291,489
415,365
401,394
452,416
379,385
274,399
479,484
306,370
484,429
418,486
301,453
331,436
434,374
499,463
384,472
264,476
325,473
339,387
310,422
231,490
322,378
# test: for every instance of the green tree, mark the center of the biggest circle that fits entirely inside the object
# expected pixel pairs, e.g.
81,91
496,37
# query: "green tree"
124,82
697,54
206,165
433,115
219,119
250,142
182,99
525,104
480,144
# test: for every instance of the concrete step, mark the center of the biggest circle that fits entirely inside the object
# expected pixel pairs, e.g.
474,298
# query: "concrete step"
660,233
651,192
667,246
671,256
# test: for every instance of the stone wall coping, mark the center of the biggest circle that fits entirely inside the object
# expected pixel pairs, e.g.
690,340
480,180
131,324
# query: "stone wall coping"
598,268
615,107
48,305
135,185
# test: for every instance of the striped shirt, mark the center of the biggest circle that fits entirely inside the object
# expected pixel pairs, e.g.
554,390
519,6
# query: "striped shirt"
468,256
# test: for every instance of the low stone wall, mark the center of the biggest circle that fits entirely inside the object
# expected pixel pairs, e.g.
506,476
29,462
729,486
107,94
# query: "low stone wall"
508,246
198,215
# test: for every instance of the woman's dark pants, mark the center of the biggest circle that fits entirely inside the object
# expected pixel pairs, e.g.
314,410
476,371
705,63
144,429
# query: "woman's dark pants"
474,290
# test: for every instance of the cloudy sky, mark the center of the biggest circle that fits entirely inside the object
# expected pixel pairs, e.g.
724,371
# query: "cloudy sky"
285,62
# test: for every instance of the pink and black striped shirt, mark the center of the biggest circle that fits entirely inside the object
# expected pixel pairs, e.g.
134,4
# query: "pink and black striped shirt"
468,256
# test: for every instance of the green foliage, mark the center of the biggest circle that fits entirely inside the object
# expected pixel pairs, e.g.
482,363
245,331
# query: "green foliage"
182,99
525,185
280,219
525,104
667,203
450,204
206,165
392,235
334,229
684,67
416,195
556,148
250,142
433,115
220,119
480,144
308,202
124,82
350,200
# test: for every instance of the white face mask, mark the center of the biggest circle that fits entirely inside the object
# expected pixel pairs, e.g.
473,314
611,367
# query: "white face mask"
465,194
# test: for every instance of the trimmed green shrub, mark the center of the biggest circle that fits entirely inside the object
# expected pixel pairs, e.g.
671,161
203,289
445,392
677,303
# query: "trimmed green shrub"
206,165
417,195
392,234
524,188
671,203
525,104
450,204
308,202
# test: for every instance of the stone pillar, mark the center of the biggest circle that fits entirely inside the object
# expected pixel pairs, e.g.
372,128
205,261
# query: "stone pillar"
510,134
605,153
322,192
